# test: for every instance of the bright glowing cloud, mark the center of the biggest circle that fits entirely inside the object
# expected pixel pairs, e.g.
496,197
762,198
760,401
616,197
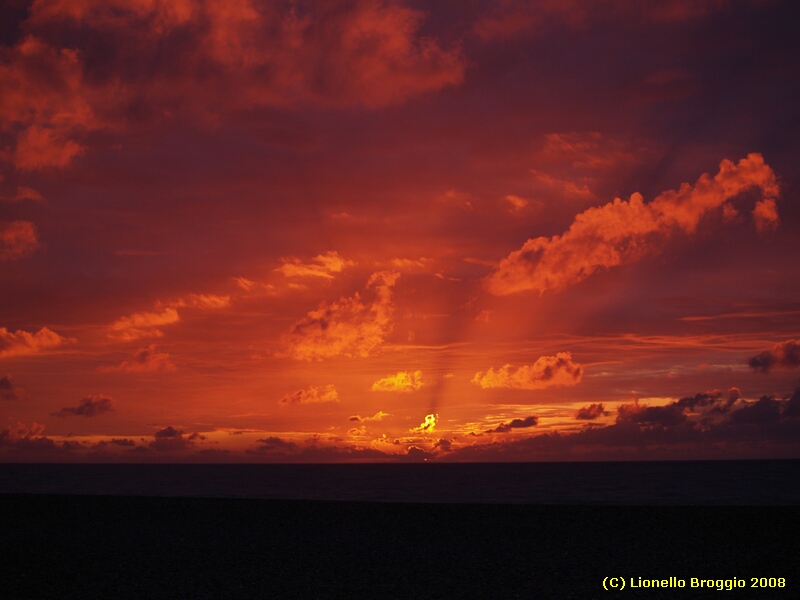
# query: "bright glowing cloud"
348,327
17,240
622,231
427,426
326,266
312,395
547,371
22,343
403,381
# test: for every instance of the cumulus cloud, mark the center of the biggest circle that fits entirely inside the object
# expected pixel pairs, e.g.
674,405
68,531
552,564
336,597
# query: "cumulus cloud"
327,265
22,343
148,323
547,371
765,215
147,359
170,438
428,425
349,326
623,232
17,240
403,381
202,56
515,424
7,389
24,437
378,416
444,445
203,301
91,406
784,354
669,415
273,445
312,395
590,412
765,410
142,324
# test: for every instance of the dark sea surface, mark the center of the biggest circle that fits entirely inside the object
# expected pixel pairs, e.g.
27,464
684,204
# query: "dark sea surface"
694,483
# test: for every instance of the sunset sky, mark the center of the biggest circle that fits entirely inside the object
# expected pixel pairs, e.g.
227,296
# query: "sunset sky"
362,230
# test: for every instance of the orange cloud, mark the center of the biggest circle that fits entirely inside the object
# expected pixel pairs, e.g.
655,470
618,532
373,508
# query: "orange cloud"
146,324
403,381
312,395
378,416
17,240
22,343
622,231
143,324
327,265
348,327
204,301
547,371
145,360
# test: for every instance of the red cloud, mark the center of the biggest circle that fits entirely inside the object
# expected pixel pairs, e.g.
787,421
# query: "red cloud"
22,342
622,231
146,359
201,56
17,240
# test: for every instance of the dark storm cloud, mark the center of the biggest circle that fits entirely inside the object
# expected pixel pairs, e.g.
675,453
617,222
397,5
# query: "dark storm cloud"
7,390
590,412
444,445
770,424
671,414
784,354
90,406
766,410
170,438
515,424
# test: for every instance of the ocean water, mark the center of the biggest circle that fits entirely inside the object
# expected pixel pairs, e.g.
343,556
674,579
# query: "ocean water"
692,483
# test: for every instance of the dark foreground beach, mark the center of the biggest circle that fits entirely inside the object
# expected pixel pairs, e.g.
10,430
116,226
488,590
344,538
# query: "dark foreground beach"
74,546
